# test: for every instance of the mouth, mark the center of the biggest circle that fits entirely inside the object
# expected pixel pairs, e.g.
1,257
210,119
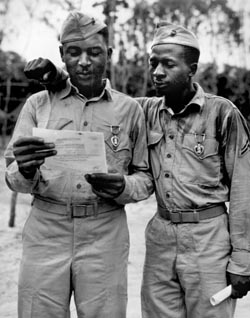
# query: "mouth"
84,74
160,84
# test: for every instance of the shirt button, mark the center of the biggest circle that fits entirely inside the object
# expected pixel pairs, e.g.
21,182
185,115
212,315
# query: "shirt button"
167,175
78,186
171,136
173,33
168,155
85,123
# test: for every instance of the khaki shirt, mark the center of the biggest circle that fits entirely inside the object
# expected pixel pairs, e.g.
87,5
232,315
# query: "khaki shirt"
70,110
200,157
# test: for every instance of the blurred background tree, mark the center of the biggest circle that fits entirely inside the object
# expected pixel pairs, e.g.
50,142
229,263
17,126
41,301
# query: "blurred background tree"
220,28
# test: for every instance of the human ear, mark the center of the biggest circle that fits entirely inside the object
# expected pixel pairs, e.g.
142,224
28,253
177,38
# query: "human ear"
193,69
110,51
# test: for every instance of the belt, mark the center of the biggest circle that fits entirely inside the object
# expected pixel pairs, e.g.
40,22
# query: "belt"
192,215
75,210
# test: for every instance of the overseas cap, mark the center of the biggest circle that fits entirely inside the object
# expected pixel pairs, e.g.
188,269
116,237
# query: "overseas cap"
79,26
168,33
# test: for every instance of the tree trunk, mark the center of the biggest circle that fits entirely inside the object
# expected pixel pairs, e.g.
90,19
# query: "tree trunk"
111,39
13,202
6,106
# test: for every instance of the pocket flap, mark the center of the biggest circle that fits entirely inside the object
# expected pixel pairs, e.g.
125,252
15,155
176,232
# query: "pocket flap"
211,146
154,137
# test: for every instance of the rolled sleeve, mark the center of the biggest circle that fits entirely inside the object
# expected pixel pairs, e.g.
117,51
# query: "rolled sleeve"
137,187
239,263
16,181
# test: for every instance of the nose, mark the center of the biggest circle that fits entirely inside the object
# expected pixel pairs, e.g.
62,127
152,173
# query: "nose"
159,71
84,59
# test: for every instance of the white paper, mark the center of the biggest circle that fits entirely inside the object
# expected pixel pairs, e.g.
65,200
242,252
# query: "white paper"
77,151
221,295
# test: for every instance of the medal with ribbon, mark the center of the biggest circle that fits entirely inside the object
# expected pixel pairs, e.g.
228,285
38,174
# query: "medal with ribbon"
115,139
199,148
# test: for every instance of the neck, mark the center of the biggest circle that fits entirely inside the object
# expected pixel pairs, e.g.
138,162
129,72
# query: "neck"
178,101
91,91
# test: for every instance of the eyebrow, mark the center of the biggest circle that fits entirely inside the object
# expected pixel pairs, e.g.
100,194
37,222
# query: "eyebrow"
96,46
73,47
156,58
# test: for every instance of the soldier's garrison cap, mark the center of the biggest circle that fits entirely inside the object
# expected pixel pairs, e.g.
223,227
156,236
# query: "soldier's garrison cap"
168,33
79,26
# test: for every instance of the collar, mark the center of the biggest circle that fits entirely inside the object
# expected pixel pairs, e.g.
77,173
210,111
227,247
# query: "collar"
70,89
197,100
199,97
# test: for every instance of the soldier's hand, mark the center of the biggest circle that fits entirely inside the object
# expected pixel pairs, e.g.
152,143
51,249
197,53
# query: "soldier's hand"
240,284
30,154
106,185
40,69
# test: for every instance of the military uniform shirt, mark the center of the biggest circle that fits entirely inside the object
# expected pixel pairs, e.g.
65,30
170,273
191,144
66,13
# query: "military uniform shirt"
70,110
200,157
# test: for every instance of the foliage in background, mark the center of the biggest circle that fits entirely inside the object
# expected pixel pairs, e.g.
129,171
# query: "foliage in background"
14,89
232,83
131,38
210,18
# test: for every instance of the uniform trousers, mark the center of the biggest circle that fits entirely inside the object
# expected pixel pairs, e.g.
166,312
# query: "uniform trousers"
84,257
185,264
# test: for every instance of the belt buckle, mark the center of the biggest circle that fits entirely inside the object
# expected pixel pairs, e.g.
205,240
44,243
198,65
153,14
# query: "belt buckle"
173,217
195,218
83,213
85,207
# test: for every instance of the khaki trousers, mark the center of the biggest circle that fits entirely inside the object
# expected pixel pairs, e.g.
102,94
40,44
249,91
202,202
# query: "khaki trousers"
84,257
185,265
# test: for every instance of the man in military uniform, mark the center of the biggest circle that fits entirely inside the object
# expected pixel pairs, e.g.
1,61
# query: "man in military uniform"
76,238
199,154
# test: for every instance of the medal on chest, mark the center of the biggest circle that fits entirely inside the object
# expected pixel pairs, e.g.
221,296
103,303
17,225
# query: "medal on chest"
199,147
115,141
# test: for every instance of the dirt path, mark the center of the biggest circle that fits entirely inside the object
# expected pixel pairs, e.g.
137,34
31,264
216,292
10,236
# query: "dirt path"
10,252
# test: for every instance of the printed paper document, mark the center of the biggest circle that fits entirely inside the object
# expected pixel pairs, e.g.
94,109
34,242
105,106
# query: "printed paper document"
77,151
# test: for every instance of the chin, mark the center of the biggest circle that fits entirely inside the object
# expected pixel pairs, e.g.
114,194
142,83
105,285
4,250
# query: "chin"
160,93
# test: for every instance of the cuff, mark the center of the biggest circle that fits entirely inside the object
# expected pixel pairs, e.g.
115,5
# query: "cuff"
239,263
17,182
124,197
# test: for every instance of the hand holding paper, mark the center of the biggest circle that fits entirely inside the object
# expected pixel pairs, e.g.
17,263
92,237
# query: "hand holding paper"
239,292
108,186
30,154
240,285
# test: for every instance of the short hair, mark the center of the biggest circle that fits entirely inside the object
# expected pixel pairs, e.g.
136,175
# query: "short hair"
191,54
105,33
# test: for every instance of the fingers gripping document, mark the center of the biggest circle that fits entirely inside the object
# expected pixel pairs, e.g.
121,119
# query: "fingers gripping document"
82,152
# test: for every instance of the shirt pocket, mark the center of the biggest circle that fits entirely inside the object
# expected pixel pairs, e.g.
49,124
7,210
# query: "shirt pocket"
200,169
154,148
60,124
118,157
